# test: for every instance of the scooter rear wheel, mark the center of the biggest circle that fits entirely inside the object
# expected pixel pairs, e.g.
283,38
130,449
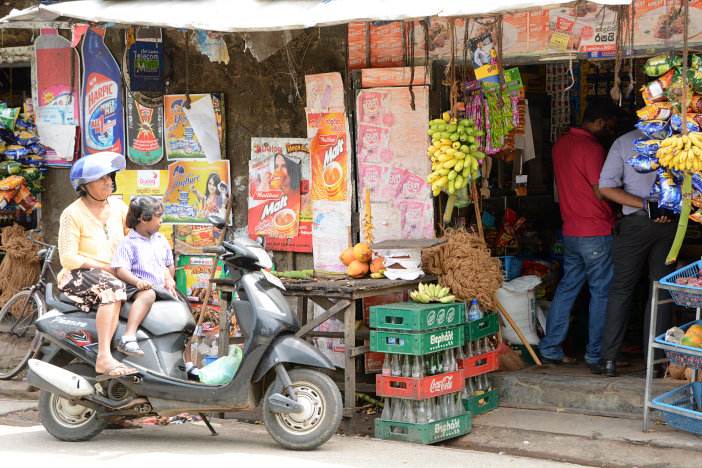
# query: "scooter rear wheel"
319,419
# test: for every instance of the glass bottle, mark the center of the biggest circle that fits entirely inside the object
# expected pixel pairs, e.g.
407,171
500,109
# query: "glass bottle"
395,366
469,350
386,410
459,353
439,363
387,367
417,368
429,408
396,410
445,410
433,370
470,387
486,383
452,361
460,410
446,363
421,412
409,412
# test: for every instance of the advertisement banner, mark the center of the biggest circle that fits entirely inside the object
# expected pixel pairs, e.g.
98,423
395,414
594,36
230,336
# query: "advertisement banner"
660,23
594,29
145,59
330,159
196,190
57,91
279,197
181,141
144,132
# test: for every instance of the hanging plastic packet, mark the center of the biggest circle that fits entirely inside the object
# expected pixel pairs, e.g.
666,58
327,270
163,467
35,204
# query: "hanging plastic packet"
695,104
671,192
25,199
15,152
31,174
25,138
647,147
696,182
692,125
696,62
11,182
8,117
657,66
8,168
675,91
655,90
36,148
656,111
644,164
696,216
31,160
35,187
22,124
655,129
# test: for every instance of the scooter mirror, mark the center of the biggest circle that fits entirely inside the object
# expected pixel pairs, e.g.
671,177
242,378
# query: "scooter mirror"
262,240
217,222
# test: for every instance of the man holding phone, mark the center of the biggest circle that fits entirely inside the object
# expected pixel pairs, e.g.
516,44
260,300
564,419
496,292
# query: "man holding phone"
644,233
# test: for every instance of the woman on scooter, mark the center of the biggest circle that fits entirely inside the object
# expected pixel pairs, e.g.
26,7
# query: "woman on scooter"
90,229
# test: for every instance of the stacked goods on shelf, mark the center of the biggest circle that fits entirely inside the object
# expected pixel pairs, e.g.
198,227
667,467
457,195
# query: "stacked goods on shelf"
479,358
420,380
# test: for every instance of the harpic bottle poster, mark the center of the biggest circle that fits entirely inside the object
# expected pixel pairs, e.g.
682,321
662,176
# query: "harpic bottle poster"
279,196
330,159
196,190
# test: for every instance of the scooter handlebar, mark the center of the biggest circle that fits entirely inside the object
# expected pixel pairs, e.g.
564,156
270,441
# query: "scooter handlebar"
218,250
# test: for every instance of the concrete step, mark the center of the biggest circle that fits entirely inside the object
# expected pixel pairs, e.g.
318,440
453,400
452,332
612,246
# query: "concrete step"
608,396
18,389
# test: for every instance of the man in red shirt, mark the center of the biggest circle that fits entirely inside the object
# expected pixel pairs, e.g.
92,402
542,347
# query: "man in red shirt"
578,157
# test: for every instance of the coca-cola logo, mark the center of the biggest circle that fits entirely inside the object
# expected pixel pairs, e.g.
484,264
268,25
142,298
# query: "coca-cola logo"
441,316
451,315
444,384
431,318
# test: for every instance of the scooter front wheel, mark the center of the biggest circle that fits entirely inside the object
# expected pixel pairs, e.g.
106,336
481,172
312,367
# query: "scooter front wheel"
319,418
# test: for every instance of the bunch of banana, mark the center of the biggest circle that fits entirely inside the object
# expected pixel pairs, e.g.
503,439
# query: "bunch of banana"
426,293
454,154
681,152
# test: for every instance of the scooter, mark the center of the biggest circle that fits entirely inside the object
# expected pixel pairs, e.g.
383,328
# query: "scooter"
301,404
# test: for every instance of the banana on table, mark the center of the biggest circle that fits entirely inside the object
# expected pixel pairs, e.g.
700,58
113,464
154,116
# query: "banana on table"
426,293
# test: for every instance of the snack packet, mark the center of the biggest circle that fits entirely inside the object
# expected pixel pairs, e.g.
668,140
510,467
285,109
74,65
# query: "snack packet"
15,152
657,66
671,193
655,129
644,164
656,111
655,90
11,182
647,147
692,122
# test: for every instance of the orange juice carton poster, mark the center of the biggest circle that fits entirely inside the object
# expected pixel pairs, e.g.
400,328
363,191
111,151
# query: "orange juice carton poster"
330,159
181,141
196,190
279,197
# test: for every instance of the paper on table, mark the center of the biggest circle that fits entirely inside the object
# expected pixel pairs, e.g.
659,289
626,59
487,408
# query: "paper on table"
61,138
201,116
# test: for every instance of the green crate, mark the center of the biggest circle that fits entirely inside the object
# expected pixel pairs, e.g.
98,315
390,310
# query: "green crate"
427,433
413,316
416,344
490,400
488,325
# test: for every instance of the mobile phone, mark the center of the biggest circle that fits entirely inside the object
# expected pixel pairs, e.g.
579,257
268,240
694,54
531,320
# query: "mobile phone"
654,212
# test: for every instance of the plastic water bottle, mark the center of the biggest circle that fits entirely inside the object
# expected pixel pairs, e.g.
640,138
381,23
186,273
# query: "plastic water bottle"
474,312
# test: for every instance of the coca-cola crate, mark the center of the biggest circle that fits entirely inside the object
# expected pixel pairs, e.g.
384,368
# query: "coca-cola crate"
427,433
486,326
416,344
413,316
480,404
480,364
419,389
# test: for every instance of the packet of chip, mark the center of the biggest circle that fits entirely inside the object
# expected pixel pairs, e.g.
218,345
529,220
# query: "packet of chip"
655,129
644,164
655,90
692,122
26,138
25,199
8,117
647,147
656,111
671,192
15,152
657,66
11,182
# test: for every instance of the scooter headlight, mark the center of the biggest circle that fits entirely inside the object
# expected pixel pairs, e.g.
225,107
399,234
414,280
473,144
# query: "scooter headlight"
264,260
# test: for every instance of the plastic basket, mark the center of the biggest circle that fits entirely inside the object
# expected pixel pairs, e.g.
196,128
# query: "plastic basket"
692,296
511,267
681,358
687,399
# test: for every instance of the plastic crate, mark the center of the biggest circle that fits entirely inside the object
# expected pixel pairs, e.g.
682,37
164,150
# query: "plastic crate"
511,267
687,399
480,364
681,358
413,316
480,404
419,389
692,296
416,344
427,433
486,326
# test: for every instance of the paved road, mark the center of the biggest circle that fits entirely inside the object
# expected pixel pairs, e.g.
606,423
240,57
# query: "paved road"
246,444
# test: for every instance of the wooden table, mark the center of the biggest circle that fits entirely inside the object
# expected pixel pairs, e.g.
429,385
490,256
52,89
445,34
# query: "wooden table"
338,297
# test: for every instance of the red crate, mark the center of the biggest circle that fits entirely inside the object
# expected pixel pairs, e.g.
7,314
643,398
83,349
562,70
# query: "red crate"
419,389
480,364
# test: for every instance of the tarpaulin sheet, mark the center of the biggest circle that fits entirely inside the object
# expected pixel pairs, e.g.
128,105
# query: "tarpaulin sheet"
264,15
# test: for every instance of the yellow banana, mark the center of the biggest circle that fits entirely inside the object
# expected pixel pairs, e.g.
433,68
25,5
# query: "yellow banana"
458,166
450,163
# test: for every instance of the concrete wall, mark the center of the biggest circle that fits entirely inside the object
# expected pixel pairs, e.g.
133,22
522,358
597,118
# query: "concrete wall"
260,100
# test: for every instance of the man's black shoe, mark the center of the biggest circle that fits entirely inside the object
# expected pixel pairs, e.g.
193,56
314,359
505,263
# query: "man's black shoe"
594,367
608,368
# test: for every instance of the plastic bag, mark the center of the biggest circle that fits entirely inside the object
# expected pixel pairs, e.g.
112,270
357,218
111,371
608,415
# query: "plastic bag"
656,66
655,129
222,370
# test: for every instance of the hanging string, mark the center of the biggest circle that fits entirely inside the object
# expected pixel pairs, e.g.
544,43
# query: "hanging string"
187,69
631,17
450,70
411,59
616,93
570,59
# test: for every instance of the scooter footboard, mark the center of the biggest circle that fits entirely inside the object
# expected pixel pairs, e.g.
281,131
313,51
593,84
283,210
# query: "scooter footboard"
294,350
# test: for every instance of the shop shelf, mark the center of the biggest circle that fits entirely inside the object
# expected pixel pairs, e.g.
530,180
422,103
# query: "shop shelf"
480,364
686,399
419,389
683,357
511,267
413,316
416,344
480,404
486,326
427,433
690,296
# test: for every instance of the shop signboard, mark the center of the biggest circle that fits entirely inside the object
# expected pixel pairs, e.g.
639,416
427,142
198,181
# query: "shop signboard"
145,59
181,140
196,190
659,23
280,205
144,132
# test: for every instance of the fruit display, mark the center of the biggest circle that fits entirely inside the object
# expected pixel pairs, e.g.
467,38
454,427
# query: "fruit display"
359,262
694,281
426,293
693,337
681,152
454,153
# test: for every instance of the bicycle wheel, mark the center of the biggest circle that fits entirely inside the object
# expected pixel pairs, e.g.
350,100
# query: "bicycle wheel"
17,331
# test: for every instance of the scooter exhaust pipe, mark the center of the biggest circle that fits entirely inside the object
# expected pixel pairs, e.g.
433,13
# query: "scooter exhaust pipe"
52,378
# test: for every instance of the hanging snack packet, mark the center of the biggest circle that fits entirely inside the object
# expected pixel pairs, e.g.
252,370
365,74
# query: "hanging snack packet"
25,138
696,62
657,66
25,200
8,117
15,152
8,168
655,90
655,129
696,216
692,125
646,147
11,182
695,103
656,111
643,164
671,193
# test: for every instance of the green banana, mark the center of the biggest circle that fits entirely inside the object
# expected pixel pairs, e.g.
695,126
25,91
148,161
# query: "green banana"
447,299
444,291
420,287
413,295
423,297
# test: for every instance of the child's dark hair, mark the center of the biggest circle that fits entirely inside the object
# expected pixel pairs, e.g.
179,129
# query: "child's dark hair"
143,206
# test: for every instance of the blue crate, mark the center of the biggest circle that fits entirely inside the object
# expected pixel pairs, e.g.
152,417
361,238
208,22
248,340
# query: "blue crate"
687,399
511,267
692,296
681,358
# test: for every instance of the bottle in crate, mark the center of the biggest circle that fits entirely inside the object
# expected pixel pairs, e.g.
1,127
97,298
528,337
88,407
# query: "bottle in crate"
474,312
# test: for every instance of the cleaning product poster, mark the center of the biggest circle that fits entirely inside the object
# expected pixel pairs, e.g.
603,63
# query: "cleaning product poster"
57,91
103,115
330,159
145,59
181,140
279,196
196,190
144,132
150,182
